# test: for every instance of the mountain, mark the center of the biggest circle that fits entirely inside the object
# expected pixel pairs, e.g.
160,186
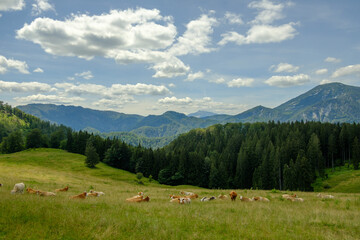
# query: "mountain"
201,114
333,102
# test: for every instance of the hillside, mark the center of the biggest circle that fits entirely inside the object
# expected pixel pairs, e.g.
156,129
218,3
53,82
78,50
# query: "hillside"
333,102
111,217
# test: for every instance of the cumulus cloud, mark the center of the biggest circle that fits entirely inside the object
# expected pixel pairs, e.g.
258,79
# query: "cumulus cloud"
219,80
6,64
40,98
41,6
114,103
11,5
284,67
38,70
192,76
24,87
233,18
100,35
332,60
85,75
241,82
171,68
261,30
321,71
348,70
261,34
288,81
196,38
175,100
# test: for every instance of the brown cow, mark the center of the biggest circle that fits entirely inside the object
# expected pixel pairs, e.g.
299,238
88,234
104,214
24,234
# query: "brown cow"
62,189
80,196
233,195
46,194
32,191
222,197
260,199
245,199
138,199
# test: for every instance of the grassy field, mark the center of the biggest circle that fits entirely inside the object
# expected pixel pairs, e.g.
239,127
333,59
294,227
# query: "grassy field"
28,216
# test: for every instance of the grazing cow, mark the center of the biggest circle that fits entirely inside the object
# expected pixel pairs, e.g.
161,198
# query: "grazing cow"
46,194
98,193
260,199
325,196
222,197
80,196
18,188
233,195
245,199
62,189
32,191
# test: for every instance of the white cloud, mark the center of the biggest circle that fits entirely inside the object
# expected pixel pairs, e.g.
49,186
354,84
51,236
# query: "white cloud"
332,60
41,6
268,11
24,87
87,36
219,80
11,5
233,18
241,82
38,70
321,71
49,99
6,64
261,34
114,103
114,90
175,101
196,38
172,68
192,76
86,75
288,81
284,67
348,70
171,85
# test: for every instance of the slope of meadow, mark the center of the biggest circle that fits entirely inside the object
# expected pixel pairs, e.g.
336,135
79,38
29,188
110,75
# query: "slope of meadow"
111,217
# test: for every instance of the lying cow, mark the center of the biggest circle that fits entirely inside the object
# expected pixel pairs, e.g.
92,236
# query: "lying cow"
46,194
138,199
233,195
62,189
260,199
206,199
186,193
32,191
222,197
325,196
184,200
292,199
98,194
80,196
245,199
286,196
18,188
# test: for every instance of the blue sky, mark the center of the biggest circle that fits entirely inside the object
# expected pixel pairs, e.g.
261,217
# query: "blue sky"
148,57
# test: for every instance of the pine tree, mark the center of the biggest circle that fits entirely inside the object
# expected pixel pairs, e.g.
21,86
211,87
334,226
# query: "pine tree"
92,158
356,153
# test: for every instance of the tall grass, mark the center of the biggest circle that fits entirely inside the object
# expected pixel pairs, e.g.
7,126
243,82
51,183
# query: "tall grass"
111,217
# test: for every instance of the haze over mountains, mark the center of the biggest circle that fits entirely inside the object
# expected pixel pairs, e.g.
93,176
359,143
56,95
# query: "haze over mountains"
333,102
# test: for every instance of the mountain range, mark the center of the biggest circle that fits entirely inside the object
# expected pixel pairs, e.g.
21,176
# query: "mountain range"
333,102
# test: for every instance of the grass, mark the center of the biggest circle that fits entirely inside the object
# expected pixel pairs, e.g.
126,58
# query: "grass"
111,217
343,179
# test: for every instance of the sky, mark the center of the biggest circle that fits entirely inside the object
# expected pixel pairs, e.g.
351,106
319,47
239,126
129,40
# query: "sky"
148,57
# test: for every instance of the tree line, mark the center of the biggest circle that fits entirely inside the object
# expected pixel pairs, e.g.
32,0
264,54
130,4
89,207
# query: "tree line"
235,155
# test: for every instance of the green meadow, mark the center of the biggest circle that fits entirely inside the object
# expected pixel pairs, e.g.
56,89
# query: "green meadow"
26,216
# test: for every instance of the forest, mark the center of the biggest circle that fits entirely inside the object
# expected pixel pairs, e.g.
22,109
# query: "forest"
272,155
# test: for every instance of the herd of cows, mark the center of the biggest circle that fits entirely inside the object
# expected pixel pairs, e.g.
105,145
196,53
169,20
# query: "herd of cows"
183,198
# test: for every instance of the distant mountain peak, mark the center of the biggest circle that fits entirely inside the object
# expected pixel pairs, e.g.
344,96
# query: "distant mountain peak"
201,114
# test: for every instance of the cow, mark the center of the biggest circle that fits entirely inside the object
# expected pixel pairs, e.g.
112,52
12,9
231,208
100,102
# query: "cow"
62,189
286,196
32,191
186,193
93,194
79,196
325,196
184,200
175,200
260,199
18,188
98,193
192,196
174,196
245,199
222,197
46,194
206,199
295,199
233,195
138,199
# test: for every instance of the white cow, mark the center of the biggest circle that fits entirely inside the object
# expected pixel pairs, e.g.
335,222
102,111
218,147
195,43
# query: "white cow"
18,188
